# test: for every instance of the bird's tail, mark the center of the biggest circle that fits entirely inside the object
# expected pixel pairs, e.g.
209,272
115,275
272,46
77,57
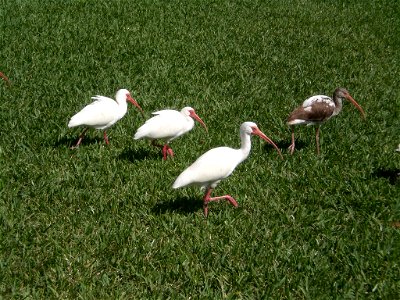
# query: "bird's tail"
182,180
73,122
177,185
141,132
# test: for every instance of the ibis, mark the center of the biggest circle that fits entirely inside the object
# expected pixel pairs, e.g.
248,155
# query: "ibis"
102,113
317,110
168,125
218,163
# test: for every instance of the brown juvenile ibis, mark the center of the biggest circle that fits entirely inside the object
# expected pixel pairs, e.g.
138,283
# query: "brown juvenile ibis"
318,109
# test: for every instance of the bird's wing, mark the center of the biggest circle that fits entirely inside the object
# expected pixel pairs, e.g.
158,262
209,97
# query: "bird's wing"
315,113
98,114
101,98
212,166
316,99
166,112
166,124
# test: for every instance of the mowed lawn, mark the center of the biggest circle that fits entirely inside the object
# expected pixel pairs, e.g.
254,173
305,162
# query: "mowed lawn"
103,222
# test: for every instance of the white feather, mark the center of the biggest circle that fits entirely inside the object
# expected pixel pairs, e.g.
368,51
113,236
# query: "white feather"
166,124
318,98
213,166
102,113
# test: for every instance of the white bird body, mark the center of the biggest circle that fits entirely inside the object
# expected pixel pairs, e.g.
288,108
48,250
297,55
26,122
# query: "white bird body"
210,168
168,125
218,163
102,113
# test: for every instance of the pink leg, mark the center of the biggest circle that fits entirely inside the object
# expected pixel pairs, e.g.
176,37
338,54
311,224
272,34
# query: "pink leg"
317,138
292,145
5,78
106,138
164,151
80,139
170,152
167,151
207,198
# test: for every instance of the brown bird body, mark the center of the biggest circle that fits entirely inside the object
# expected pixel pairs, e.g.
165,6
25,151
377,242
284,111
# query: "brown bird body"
317,110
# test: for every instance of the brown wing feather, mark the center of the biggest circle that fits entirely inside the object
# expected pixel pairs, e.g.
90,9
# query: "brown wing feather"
320,112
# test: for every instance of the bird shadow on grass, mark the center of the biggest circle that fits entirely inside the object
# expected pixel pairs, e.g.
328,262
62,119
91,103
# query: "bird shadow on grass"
182,205
68,141
133,155
393,175
283,145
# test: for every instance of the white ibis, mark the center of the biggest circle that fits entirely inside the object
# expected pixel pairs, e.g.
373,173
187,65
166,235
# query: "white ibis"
5,78
318,109
167,125
218,163
102,113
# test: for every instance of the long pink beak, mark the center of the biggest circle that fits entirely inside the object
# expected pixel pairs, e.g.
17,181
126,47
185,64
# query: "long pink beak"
348,97
258,132
134,102
196,117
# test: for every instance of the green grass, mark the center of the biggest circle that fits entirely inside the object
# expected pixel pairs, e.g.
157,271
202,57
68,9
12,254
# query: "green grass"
103,222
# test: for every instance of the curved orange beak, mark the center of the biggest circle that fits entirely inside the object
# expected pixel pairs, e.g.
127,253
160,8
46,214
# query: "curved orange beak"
134,102
348,97
258,132
197,118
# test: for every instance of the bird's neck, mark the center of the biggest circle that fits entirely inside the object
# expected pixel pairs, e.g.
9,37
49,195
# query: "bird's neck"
189,122
245,144
122,107
338,105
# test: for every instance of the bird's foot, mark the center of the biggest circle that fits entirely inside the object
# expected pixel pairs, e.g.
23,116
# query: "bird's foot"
106,138
291,148
225,197
76,146
232,201
170,152
167,150
205,210
216,199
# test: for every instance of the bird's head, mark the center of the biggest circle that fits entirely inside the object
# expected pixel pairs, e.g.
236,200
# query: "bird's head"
188,111
127,96
344,94
251,128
